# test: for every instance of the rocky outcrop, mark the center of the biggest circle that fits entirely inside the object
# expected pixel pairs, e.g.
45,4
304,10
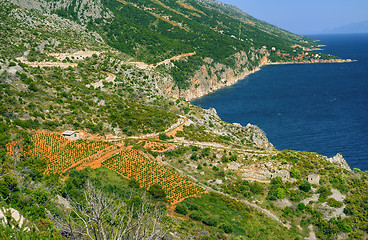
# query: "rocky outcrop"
10,216
339,160
212,76
86,9
259,137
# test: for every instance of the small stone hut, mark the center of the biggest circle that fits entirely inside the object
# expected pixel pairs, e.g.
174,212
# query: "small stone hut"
313,179
71,135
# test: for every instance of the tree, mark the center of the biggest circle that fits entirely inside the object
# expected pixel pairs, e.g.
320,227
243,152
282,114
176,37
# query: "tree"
195,215
104,217
227,227
305,186
156,191
210,221
133,183
181,209
163,136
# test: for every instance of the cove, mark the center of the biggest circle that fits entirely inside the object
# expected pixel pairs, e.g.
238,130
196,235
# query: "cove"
320,108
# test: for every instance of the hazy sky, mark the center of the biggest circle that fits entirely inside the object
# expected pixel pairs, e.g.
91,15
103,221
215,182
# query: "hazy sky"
307,16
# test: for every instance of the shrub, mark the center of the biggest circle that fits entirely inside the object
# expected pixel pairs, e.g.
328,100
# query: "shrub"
256,188
134,183
193,207
210,221
163,136
324,193
195,215
294,173
276,181
227,227
334,203
41,195
305,186
181,208
157,191
301,206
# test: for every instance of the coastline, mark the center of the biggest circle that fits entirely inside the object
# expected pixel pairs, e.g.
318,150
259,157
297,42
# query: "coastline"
231,81
313,62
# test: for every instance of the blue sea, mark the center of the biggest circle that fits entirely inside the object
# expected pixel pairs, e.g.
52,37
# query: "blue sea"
320,108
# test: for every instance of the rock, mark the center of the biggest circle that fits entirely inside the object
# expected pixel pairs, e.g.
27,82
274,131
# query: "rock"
19,219
62,201
337,195
218,181
233,166
87,10
339,160
259,138
282,203
314,198
237,125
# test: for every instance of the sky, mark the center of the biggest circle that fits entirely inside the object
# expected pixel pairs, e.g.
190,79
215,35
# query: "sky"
307,16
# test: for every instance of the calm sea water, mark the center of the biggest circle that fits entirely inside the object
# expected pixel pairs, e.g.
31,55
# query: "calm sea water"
321,108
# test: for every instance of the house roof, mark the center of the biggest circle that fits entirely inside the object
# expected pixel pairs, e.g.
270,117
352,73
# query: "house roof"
69,133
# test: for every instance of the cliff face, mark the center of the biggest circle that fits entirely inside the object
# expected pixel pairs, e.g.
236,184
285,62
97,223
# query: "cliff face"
339,160
213,76
85,10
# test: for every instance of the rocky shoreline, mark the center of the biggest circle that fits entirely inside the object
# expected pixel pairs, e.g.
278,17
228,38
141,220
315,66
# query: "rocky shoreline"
313,61
198,92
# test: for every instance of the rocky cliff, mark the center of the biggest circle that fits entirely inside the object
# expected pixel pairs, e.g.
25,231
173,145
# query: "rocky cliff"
85,10
339,160
212,76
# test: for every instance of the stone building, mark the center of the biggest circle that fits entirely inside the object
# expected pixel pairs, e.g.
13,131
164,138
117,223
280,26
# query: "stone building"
313,179
71,135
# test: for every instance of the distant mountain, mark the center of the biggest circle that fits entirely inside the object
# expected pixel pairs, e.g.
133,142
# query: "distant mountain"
361,27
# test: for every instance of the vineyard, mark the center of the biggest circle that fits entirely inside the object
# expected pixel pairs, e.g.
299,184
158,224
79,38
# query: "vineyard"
131,164
61,154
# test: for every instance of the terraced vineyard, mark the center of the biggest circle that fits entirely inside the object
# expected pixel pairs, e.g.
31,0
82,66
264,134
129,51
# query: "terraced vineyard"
60,153
131,164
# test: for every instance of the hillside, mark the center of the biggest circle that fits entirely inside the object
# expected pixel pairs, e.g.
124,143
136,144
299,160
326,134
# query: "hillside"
142,161
228,44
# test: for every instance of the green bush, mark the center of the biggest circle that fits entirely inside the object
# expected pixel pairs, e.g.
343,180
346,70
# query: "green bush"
134,183
181,208
163,136
256,188
334,203
157,192
305,186
195,215
294,173
210,220
193,207
227,227
301,206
